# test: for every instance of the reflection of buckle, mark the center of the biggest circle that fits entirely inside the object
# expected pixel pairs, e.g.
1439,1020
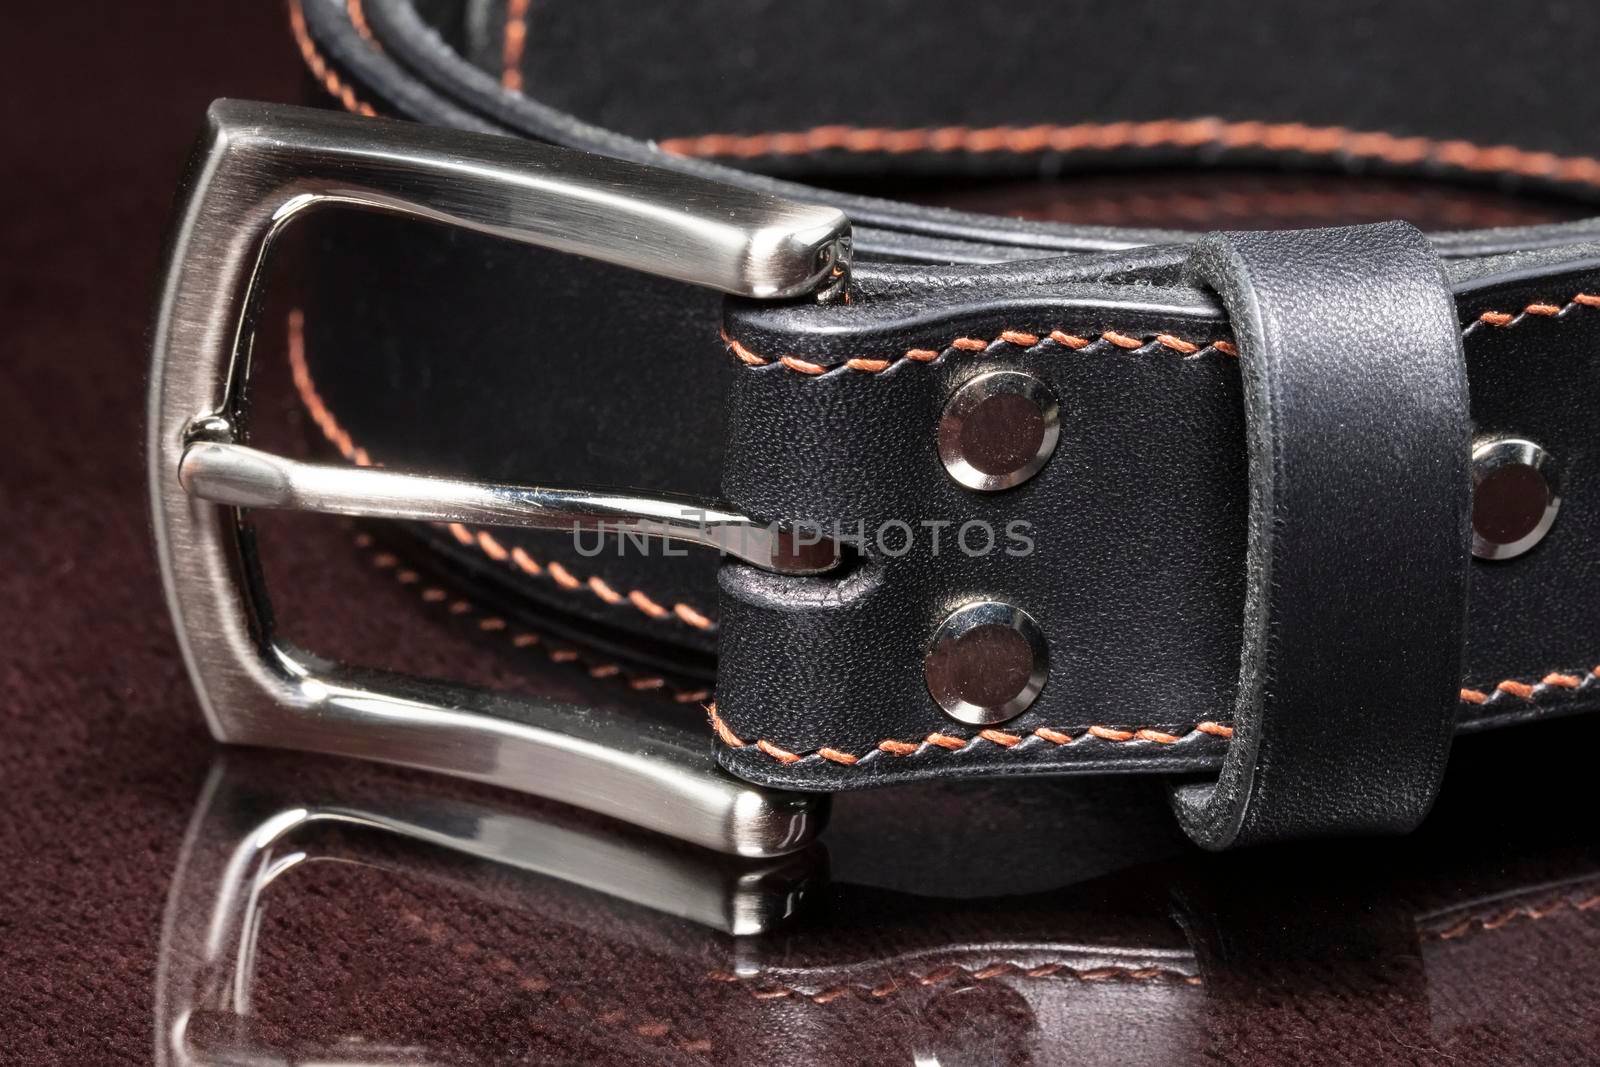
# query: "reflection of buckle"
247,832
260,168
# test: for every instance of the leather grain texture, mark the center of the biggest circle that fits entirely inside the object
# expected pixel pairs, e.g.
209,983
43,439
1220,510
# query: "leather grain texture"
1355,398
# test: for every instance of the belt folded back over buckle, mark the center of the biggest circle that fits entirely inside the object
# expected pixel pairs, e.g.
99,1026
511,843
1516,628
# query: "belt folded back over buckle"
259,168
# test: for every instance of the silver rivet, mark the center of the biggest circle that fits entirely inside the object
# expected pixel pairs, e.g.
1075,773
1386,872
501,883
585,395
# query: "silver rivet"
998,430
1516,492
986,663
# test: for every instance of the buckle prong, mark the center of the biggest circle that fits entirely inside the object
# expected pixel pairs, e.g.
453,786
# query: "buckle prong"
226,473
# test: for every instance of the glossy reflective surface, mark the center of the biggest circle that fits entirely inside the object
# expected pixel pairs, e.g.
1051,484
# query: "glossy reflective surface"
400,921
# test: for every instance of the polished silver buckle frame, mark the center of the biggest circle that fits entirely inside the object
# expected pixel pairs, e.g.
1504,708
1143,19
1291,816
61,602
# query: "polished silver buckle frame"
261,167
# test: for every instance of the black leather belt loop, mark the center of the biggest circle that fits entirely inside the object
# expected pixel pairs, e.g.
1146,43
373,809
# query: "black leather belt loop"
1357,432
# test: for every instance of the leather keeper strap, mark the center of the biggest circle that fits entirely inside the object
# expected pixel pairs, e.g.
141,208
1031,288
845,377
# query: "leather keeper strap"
1357,432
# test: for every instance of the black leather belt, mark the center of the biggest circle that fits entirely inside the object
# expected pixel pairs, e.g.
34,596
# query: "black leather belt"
1275,513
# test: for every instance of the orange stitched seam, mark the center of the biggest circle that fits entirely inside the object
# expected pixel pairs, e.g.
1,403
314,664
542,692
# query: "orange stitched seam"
1158,133
482,540
358,19
514,41
522,638
1019,338
319,66
949,743
1529,691
1129,342
1537,309
1496,920
945,975
895,747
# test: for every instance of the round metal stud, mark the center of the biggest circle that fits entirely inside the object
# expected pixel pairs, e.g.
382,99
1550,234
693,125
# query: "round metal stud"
998,430
987,662
1516,492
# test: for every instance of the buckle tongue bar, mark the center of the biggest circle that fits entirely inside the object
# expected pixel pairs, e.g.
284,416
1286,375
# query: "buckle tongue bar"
259,168
226,473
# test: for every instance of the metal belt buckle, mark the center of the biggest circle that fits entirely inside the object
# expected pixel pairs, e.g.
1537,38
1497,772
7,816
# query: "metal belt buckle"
259,168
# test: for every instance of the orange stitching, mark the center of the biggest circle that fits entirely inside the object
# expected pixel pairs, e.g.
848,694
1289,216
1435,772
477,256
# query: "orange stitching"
646,605
1159,133
358,19
312,400
943,975
895,747
1496,920
692,617
492,548
801,365
869,366
1528,691
1020,338
949,743
562,576
1539,309
528,638
482,540
319,66
605,592
779,754
514,42
1024,339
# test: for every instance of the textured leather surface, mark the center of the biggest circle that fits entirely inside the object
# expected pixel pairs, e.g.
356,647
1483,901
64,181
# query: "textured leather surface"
573,373
1138,576
1355,398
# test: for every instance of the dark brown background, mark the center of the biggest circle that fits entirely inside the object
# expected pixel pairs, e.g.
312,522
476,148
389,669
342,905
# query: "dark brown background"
1313,954
102,753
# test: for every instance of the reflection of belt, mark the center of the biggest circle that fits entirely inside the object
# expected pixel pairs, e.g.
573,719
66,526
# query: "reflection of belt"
1002,497
1042,960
